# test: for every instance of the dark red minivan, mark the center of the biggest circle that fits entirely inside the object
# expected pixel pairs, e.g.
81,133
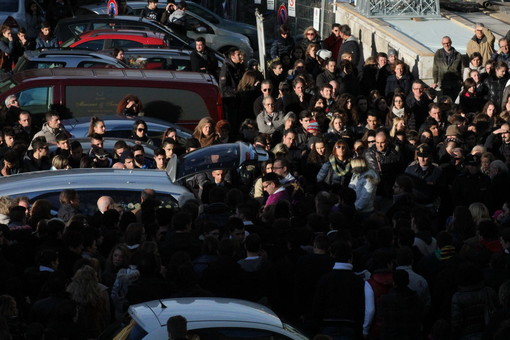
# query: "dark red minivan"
178,97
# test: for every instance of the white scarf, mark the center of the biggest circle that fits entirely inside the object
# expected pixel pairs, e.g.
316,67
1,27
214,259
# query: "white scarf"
398,112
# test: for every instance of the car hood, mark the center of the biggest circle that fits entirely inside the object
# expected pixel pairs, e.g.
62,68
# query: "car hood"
214,157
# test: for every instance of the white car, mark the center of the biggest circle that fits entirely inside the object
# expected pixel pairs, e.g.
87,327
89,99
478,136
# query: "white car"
216,36
212,318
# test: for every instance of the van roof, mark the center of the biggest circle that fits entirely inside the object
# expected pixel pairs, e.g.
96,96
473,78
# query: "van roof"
112,73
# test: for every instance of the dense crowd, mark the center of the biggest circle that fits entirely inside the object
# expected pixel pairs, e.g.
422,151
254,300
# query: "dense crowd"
382,213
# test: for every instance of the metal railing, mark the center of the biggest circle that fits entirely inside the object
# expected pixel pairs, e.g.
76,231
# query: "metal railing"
399,8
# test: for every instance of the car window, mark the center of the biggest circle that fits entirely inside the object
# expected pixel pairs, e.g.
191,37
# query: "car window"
237,333
43,64
123,43
37,100
129,199
167,104
6,85
78,28
94,45
95,64
193,23
100,26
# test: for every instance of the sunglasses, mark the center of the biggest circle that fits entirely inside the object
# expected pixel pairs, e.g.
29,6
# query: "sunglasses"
266,90
140,129
340,147
371,141
311,33
102,157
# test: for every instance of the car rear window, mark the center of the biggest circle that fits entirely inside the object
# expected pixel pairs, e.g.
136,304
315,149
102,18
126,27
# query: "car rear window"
167,104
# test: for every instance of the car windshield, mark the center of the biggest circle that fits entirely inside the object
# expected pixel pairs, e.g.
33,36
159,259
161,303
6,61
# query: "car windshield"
204,13
210,158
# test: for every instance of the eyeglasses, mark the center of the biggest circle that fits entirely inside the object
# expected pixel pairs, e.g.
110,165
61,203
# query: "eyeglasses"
265,90
140,129
269,104
340,147
277,167
264,186
447,43
310,33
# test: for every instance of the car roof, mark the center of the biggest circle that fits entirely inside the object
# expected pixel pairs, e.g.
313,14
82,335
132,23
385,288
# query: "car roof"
153,315
104,179
112,73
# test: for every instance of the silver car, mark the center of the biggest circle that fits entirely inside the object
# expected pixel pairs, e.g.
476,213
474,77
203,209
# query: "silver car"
212,318
217,36
125,185
66,58
121,127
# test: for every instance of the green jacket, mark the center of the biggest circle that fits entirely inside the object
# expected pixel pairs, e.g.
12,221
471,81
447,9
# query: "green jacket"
447,76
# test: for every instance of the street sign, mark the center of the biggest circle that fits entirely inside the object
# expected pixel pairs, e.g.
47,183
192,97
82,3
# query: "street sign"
282,15
292,8
316,18
111,8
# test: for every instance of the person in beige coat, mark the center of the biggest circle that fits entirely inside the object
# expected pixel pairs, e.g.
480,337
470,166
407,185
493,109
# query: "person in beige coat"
482,42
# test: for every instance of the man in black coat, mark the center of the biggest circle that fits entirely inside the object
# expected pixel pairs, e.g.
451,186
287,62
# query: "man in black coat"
230,75
203,59
343,304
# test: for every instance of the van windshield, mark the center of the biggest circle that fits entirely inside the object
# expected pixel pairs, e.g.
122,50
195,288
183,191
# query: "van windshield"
9,5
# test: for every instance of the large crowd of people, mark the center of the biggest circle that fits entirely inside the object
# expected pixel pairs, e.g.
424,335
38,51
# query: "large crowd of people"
382,213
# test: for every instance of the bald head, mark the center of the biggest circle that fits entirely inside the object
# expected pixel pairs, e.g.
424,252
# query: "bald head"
104,203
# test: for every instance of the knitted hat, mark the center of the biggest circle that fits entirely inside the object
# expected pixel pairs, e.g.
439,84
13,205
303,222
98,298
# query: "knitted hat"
324,54
312,126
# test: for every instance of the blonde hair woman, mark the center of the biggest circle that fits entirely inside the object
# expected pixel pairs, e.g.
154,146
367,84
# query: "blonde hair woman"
479,212
399,124
93,314
204,132
364,181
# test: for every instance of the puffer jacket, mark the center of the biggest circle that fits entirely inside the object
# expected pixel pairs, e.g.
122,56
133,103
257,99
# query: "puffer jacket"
493,88
386,164
282,46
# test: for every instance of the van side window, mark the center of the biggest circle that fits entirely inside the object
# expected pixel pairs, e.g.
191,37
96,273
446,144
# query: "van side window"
163,103
37,100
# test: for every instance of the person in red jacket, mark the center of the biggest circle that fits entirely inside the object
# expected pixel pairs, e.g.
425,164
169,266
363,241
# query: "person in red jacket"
334,41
